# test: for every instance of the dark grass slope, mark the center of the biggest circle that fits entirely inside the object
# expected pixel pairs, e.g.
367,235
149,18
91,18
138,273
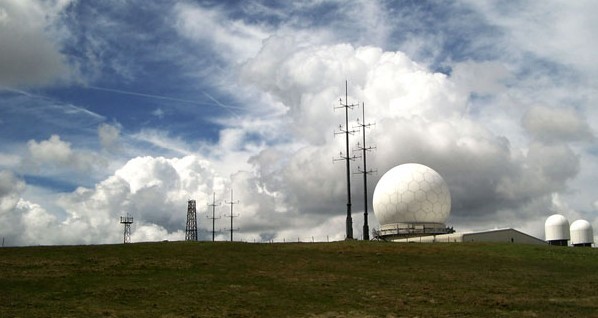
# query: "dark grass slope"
343,279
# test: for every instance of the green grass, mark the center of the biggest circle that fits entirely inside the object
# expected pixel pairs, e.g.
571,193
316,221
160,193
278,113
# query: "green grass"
341,279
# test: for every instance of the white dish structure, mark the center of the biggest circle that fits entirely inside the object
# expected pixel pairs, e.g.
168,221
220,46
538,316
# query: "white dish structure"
582,233
557,230
411,200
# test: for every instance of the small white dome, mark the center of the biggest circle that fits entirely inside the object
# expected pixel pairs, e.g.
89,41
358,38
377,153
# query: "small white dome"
582,232
556,228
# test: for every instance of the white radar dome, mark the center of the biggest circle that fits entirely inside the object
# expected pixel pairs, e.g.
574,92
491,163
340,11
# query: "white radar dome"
556,228
411,193
581,232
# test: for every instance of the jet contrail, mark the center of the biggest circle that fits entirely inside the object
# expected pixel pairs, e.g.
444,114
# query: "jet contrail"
229,108
119,91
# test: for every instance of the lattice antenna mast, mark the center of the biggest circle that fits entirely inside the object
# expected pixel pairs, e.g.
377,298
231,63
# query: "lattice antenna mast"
232,215
347,157
126,221
364,149
213,218
191,228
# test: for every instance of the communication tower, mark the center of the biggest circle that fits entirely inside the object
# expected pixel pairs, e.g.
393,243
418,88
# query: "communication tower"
191,228
347,157
213,218
365,172
126,221
232,215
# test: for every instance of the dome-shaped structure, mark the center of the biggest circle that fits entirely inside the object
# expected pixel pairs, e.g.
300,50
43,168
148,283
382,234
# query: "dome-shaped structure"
412,199
557,230
582,233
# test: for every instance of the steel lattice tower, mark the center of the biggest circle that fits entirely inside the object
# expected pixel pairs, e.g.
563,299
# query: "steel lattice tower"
191,228
126,221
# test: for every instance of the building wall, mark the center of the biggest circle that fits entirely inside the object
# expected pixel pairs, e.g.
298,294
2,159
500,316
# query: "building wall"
502,235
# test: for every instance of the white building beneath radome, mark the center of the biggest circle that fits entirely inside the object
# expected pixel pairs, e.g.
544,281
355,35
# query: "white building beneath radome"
507,235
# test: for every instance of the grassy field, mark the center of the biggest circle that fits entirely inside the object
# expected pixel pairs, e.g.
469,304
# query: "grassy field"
341,279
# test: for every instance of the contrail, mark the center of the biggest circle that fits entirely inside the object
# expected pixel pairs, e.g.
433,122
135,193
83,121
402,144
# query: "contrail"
65,107
229,108
119,91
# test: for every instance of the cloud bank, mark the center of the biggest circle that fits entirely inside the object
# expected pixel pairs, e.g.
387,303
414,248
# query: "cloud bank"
510,133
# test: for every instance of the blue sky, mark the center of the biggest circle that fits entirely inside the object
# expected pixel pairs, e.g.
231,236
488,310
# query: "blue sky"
117,107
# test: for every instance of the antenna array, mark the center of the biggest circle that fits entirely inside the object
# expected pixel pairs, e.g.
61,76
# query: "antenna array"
232,215
347,157
213,218
364,149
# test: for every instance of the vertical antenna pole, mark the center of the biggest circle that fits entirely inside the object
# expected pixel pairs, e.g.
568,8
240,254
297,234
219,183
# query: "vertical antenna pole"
213,205
347,157
349,218
232,215
365,172
366,228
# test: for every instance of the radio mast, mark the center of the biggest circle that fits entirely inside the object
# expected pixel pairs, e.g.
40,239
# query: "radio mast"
365,172
213,205
232,215
347,157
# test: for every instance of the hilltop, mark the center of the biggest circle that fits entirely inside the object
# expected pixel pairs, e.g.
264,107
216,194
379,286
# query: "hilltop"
340,279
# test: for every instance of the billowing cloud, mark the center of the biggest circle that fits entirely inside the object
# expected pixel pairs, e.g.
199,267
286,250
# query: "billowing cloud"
558,31
109,136
483,78
23,222
57,153
235,39
29,54
10,190
420,117
556,125
503,116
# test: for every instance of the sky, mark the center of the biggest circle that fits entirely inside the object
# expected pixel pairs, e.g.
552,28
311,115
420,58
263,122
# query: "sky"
118,107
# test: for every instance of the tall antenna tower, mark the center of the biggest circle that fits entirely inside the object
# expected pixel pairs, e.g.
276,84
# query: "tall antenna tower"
347,157
191,228
126,221
213,218
362,147
232,215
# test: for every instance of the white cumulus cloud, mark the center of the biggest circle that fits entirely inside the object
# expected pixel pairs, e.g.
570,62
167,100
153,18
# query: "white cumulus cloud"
30,53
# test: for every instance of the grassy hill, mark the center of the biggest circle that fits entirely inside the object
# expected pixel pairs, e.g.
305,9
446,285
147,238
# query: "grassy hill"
341,279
